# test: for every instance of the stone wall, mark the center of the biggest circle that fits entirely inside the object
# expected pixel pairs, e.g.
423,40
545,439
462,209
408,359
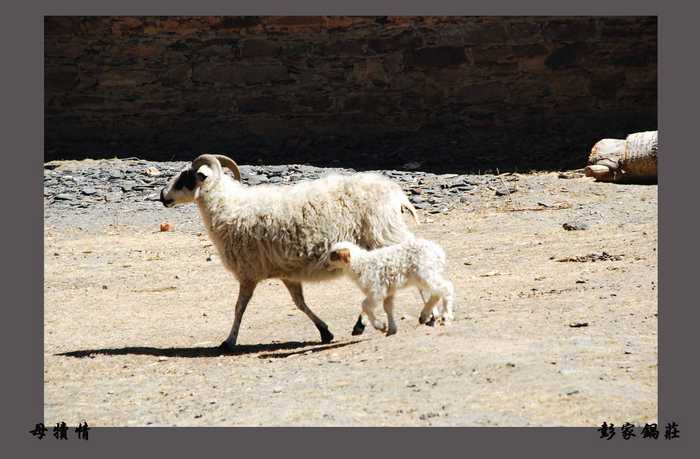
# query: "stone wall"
448,92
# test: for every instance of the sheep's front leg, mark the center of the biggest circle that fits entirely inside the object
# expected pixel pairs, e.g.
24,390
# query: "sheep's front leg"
298,297
245,293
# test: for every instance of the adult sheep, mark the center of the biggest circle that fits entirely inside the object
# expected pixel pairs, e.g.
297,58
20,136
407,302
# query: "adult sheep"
285,231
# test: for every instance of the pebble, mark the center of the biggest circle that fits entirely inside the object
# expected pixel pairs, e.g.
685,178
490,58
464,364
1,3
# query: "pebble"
575,226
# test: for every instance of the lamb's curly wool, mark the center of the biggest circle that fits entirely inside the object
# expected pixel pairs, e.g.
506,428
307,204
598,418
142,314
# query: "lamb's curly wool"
380,273
285,231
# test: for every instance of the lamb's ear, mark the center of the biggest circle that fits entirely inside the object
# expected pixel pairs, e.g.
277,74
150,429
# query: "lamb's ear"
344,255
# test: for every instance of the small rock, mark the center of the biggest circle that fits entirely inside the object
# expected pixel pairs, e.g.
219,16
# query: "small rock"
506,192
113,197
152,171
88,191
276,390
578,324
64,197
575,226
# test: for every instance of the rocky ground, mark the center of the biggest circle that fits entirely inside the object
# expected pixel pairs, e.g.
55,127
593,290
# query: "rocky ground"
555,277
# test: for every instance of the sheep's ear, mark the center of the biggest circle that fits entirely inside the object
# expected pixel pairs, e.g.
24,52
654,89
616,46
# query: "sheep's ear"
203,173
344,255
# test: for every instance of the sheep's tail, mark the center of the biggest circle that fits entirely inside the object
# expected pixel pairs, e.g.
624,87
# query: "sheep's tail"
406,205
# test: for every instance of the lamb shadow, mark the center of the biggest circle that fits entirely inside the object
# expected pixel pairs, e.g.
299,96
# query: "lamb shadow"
313,350
193,352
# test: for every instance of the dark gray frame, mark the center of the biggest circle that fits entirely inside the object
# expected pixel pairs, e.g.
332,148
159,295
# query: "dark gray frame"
22,137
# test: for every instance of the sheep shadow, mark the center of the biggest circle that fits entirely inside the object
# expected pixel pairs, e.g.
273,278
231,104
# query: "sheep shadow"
268,349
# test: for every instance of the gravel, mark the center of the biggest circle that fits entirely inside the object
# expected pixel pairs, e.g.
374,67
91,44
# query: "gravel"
136,181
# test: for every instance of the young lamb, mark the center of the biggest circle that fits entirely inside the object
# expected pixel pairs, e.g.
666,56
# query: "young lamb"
379,273
284,232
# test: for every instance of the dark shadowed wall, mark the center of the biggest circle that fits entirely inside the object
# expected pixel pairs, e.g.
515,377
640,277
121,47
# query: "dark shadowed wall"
452,93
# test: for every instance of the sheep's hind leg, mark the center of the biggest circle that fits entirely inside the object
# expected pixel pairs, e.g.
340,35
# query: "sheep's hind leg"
245,293
359,327
298,297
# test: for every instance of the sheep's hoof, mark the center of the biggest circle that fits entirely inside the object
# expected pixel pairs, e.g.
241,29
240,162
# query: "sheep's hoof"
391,331
431,321
326,336
359,327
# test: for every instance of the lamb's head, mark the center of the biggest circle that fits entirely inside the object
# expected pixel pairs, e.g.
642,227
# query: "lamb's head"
340,254
204,172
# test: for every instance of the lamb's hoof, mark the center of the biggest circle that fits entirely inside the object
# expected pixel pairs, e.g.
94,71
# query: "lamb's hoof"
326,336
431,321
391,332
226,347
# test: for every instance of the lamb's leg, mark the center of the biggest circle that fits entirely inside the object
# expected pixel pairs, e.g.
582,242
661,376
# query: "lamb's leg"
448,292
426,315
245,293
425,293
368,306
298,297
389,309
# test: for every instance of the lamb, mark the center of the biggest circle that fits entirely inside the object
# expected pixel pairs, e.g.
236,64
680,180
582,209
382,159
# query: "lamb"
284,232
379,273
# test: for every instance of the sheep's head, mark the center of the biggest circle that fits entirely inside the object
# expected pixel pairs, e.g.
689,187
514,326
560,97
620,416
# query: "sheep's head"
340,254
204,171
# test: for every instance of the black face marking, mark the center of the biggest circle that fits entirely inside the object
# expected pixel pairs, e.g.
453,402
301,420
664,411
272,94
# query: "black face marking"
334,256
187,179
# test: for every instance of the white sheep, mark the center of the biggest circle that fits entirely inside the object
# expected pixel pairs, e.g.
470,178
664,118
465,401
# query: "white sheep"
284,232
380,273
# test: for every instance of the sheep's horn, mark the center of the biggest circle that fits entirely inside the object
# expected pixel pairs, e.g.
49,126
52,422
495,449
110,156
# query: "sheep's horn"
207,160
230,164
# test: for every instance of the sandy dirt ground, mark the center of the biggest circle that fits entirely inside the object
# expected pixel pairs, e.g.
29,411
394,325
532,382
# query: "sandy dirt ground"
553,327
